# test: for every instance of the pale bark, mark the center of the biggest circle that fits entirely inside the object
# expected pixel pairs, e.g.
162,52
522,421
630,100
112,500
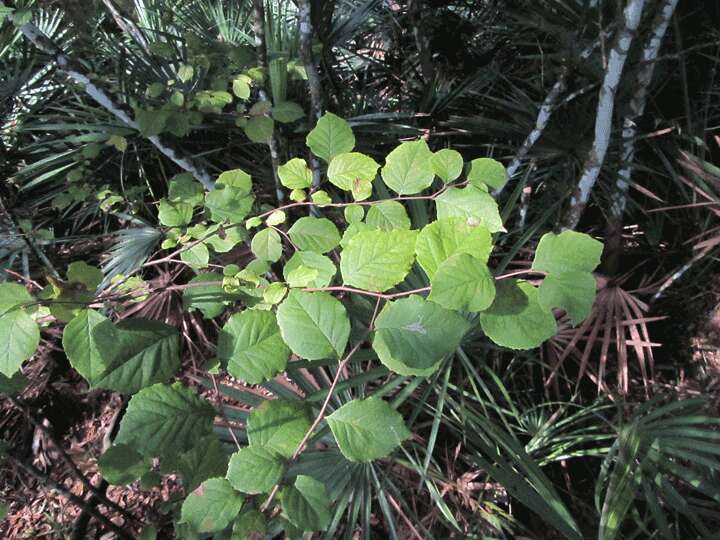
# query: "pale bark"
102,98
604,117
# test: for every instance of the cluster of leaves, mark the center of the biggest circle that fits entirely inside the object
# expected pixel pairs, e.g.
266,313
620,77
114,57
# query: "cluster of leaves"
312,314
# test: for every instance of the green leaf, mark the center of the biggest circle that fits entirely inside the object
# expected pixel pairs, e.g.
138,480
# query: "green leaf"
165,420
241,88
314,234
331,136
516,319
174,214
487,172
278,425
414,334
266,245
209,299
196,256
14,385
238,179
251,345
309,259
274,293
259,129
226,239
443,238
320,198
295,174
207,459
249,526
447,164
347,169
13,295
354,213
254,470
81,272
572,291
80,347
314,325
19,338
228,203
463,283
367,429
388,215
472,203
301,277
278,217
567,252
184,188
378,260
287,112
121,465
155,90
138,353
186,72
408,168
151,123
306,504
212,506
297,195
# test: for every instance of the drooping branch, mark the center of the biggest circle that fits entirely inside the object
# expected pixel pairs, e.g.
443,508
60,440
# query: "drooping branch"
262,60
77,73
604,117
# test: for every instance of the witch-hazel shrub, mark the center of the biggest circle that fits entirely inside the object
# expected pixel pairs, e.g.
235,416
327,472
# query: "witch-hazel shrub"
338,281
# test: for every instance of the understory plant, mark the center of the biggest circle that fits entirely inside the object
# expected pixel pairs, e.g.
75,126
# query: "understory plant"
347,307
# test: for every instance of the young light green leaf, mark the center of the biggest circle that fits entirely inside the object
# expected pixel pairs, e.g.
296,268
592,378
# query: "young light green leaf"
165,420
212,506
378,260
251,345
19,338
414,334
174,214
295,174
320,198
408,168
572,291
278,425
314,325
388,215
354,213
463,283
447,164
367,429
185,72
301,277
314,234
309,259
228,203
254,470
266,245
567,252
241,87
472,203
274,293
487,172
236,179
81,272
80,347
306,504
330,137
138,353
516,319
449,236
347,169
196,256
121,464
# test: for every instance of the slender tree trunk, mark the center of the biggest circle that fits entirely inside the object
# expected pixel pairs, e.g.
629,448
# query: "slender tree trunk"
313,78
604,117
261,51
636,109
105,100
